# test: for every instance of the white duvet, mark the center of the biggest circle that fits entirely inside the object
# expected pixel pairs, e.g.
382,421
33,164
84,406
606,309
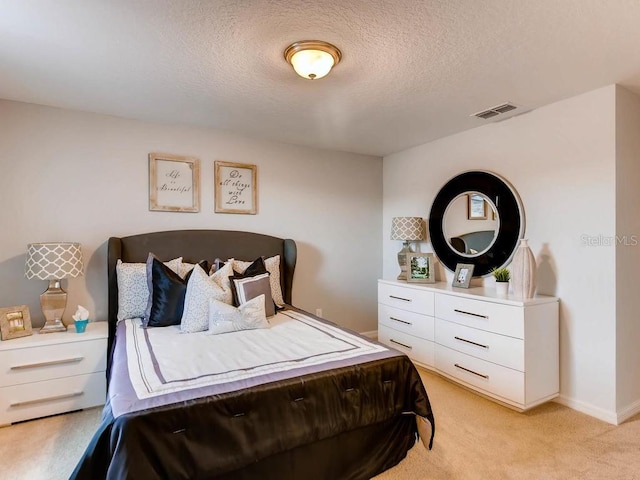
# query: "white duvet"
163,360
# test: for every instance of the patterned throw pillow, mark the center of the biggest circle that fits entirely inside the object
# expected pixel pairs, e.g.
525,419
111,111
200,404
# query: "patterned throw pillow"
186,267
200,289
133,292
225,318
273,267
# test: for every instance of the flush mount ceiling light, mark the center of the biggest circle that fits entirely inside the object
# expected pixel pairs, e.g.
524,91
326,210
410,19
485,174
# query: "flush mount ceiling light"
312,59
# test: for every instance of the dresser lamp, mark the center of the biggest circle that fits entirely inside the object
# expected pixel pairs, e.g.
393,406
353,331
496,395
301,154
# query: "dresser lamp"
53,262
407,229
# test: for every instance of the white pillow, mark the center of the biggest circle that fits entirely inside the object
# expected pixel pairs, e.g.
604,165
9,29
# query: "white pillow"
225,318
273,267
200,289
185,268
133,291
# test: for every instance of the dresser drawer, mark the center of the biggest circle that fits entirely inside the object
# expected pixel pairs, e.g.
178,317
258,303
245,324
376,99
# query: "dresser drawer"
33,400
406,298
492,379
409,322
34,364
492,347
492,317
417,349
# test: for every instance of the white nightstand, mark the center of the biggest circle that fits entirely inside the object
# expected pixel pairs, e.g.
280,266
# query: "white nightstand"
45,374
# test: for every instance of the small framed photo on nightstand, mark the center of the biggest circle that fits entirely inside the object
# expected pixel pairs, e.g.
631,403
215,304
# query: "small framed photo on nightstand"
420,268
15,322
462,276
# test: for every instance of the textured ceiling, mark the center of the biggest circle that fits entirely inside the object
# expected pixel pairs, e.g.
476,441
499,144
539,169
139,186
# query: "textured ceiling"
412,71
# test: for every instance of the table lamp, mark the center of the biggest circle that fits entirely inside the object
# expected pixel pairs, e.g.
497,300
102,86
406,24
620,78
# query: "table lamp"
53,261
407,229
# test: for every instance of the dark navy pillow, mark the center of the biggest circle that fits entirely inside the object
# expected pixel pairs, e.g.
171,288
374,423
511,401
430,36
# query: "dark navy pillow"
166,294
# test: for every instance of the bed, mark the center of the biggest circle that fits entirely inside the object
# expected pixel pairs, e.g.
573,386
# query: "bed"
473,242
347,413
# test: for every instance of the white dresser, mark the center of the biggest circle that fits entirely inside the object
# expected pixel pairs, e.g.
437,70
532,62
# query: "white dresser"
502,347
45,374
405,320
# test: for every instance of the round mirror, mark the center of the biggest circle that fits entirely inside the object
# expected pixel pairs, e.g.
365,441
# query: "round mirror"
476,218
471,224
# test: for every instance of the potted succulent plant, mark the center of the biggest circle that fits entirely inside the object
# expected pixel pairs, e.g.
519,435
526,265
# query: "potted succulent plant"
502,276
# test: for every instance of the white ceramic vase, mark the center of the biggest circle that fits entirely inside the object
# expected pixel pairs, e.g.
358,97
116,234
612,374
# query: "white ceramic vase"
502,288
523,271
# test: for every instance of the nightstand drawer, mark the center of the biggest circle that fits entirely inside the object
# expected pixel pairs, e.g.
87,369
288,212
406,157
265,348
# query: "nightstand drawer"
409,322
406,297
33,400
495,380
492,317
417,349
37,363
500,349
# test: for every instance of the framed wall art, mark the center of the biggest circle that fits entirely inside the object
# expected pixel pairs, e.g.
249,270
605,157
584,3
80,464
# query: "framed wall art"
420,268
462,275
15,322
174,183
477,207
236,188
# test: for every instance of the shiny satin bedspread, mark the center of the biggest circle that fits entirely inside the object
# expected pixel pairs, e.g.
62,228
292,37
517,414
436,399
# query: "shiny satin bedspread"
214,435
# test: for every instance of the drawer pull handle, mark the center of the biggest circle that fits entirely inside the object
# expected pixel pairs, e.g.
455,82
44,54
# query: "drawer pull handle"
486,377
400,298
472,343
46,399
401,344
470,313
401,321
46,364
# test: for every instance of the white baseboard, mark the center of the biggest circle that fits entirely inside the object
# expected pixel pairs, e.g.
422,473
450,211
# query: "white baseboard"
629,412
587,408
372,334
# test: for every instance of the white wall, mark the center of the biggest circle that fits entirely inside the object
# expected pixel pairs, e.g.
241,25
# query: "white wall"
627,252
561,160
83,177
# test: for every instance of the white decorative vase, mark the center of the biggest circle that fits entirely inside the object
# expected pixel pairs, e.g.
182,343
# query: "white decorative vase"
502,288
523,271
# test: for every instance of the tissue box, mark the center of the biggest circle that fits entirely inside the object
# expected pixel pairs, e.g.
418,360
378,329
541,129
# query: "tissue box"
81,325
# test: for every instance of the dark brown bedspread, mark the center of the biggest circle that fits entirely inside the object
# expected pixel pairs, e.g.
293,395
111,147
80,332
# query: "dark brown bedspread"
219,435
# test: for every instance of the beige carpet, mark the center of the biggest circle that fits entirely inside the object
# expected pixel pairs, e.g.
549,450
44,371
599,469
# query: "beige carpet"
475,439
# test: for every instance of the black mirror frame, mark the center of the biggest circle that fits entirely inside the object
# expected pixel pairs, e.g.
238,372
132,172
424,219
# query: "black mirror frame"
509,210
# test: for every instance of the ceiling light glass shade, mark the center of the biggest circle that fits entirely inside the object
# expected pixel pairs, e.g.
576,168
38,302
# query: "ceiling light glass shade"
312,59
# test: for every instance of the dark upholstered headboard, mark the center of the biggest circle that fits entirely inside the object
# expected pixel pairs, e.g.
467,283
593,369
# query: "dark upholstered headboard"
478,241
193,246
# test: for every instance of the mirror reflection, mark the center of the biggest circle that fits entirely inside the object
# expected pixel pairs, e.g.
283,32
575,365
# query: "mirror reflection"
470,224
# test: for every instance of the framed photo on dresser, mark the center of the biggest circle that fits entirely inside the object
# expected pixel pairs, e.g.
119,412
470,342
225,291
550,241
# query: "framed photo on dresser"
420,268
15,322
462,275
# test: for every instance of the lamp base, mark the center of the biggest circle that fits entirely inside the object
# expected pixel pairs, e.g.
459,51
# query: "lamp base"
53,302
54,326
402,259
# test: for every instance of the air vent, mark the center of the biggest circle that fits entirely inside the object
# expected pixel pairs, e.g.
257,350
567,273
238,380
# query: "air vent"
495,111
